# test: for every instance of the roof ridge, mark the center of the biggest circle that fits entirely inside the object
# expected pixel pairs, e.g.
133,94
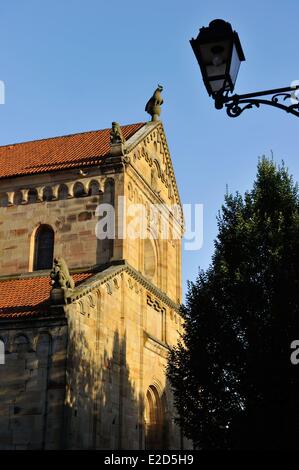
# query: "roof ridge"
59,152
36,291
66,135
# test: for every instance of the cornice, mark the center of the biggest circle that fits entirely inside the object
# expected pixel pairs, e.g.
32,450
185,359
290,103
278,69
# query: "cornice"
155,345
55,314
169,161
144,132
52,320
113,270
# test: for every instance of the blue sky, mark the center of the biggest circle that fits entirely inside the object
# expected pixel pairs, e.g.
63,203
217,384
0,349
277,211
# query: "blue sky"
71,66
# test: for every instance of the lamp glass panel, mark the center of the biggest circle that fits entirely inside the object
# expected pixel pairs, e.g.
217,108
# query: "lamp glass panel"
217,85
235,65
213,71
214,57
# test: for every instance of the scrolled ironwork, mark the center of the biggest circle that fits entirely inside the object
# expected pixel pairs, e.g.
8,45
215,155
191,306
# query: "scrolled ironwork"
285,96
234,109
236,104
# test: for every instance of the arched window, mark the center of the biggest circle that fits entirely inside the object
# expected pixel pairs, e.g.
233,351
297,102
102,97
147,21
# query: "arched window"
32,195
94,188
21,344
150,261
155,420
43,248
63,191
79,190
47,193
18,198
109,191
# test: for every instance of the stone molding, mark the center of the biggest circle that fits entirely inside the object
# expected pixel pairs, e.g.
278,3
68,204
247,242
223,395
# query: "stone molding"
155,345
38,193
143,136
109,273
155,304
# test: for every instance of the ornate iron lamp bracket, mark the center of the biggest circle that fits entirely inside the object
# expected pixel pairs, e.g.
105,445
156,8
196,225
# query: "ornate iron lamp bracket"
236,104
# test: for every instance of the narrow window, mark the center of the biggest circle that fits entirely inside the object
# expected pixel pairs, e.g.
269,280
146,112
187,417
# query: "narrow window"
63,191
48,193
94,188
32,195
79,190
44,247
156,426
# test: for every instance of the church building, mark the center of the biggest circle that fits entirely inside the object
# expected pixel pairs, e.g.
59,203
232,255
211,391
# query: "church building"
86,322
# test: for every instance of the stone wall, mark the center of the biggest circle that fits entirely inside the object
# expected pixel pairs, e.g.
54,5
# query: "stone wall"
113,359
32,385
84,386
99,381
149,181
67,201
71,215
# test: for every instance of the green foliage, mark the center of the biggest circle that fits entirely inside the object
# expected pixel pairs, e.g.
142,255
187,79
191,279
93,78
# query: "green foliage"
234,384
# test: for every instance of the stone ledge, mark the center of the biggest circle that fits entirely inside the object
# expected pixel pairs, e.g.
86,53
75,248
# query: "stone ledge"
155,345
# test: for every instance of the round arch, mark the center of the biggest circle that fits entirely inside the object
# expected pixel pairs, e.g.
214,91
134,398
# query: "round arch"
155,419
41,248
63,191
151,258
93,188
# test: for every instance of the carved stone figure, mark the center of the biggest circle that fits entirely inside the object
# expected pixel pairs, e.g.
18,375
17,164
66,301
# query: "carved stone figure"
153,106
60,275
116,135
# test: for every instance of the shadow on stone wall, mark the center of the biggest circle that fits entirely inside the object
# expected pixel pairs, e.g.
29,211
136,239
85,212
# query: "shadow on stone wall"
161,431
31,392
103,410
105,224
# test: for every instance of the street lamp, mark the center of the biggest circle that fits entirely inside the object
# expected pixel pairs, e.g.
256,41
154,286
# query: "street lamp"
219,53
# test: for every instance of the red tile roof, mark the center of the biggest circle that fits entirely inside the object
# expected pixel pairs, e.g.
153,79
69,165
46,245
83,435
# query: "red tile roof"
57,153
28,297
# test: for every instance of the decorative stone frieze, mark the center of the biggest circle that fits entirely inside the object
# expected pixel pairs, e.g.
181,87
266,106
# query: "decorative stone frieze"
53,192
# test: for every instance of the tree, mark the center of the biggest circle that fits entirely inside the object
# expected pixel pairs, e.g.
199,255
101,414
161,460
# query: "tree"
234,384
